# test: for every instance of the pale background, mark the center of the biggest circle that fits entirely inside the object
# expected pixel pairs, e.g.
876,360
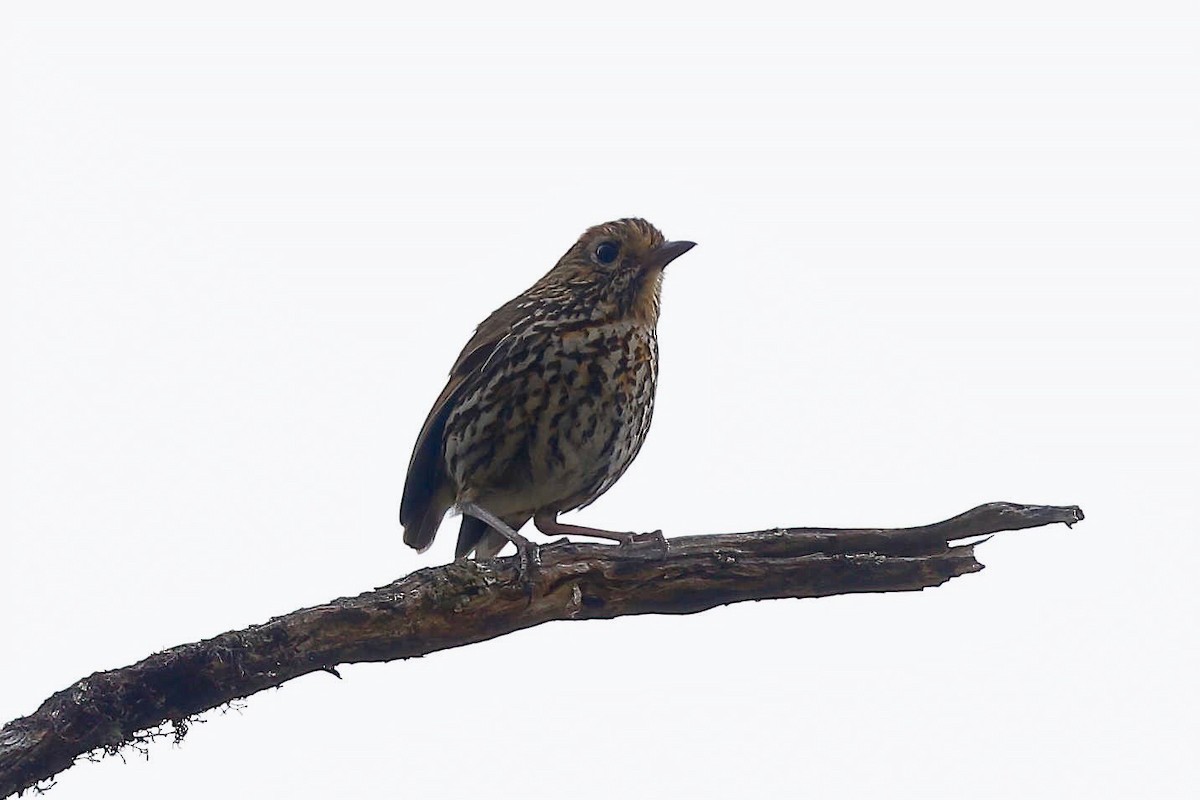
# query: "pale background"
945,256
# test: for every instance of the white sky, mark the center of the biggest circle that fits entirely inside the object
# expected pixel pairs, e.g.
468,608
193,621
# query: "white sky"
945,256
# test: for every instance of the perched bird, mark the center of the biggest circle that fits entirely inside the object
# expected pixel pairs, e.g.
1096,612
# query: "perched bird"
550,400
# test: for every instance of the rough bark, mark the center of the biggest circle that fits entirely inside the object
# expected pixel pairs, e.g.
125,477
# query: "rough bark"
466,601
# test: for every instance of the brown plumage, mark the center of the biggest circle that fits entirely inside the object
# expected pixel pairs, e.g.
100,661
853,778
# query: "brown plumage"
550,400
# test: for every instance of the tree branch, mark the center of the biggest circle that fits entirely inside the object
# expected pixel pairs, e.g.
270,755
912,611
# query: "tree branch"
467,601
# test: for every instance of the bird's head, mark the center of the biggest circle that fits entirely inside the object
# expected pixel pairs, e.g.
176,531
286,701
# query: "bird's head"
618,267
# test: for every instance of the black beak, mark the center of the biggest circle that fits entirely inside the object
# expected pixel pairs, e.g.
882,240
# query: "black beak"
667,252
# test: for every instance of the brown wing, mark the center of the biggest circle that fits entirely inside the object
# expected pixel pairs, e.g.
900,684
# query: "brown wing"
428,493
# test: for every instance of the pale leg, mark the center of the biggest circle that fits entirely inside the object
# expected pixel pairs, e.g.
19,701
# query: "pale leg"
527,551
547,522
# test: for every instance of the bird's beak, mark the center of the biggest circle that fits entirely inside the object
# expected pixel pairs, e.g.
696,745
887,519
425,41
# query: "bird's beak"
667,252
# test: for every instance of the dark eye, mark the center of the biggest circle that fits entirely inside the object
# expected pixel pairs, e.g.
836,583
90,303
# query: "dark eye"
607,252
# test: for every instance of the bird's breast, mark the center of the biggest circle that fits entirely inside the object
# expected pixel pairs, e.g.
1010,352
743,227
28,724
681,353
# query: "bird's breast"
559,416
597,413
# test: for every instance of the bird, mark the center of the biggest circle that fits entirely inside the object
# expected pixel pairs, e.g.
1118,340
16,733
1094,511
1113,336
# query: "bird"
549,402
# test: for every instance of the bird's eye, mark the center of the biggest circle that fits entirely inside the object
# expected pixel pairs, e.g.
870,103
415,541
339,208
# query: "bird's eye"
606,252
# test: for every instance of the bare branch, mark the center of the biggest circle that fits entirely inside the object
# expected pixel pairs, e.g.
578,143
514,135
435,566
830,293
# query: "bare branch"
466,601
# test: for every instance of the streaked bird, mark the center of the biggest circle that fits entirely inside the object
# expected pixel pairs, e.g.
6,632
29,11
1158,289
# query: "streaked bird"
549,402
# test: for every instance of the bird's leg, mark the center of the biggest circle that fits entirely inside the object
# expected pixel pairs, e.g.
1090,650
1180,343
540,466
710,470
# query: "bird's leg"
547,522
527,551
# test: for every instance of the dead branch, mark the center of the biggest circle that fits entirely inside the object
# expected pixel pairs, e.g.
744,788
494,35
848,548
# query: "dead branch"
464,602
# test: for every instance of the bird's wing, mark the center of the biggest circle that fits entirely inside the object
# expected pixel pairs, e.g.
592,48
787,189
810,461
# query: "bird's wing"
499,324
423,503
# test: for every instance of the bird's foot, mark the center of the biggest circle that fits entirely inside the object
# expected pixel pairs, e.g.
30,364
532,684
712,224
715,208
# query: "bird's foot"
547,522
653,539
529,562
529,556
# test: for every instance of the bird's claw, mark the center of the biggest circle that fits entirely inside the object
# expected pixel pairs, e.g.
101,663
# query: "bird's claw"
529,562
653,538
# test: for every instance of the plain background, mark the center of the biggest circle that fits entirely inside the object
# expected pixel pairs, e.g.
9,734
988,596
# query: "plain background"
947,255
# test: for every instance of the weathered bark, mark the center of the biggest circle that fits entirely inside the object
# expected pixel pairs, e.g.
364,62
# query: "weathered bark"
466,601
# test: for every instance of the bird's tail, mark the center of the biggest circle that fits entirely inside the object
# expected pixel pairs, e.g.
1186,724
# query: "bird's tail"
422,527
474,534
491,544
